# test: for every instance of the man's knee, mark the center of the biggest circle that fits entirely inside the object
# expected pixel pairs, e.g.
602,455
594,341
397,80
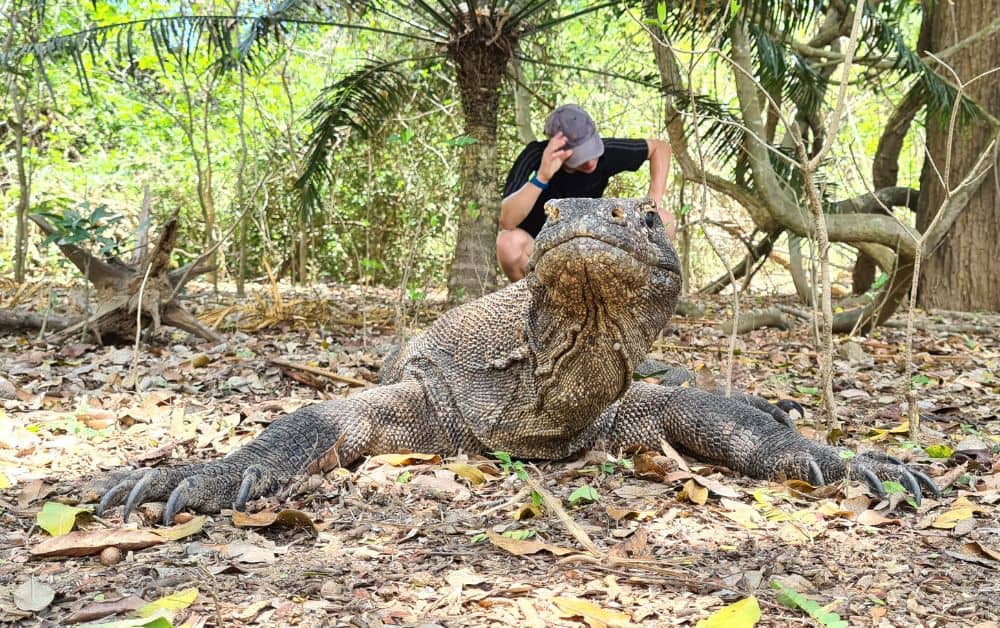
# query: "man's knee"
513,250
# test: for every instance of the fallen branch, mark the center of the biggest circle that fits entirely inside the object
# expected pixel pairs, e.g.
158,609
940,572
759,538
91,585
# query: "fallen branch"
315,370
771,317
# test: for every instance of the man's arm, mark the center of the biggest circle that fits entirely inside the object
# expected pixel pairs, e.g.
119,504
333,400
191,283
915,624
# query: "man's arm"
516,206
659,170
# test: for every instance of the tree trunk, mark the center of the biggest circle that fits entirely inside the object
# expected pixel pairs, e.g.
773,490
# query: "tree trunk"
964,272
19,97
473,269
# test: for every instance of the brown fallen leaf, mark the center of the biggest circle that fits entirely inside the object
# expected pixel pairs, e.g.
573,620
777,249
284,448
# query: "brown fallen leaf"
649,465
402,460
676,458
518,547
86,543
249,553
618,514
634,547
100,610
875,518
288,518
977,549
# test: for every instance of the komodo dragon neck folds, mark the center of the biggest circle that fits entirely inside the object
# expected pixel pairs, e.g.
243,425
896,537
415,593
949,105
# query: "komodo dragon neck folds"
540,369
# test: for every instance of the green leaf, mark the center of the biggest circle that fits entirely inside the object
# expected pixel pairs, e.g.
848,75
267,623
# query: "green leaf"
170,604
742,614
807,390
519,535
661,12
921,380
939,451
461,140
891,487
403,477
58,519
583,494
793,599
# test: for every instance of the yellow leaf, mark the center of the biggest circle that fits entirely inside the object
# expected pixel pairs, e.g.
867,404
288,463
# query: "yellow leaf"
793,534
58,519
951,518
4,481
401,460
742,614
965,502
592,613
743,514
526,511
467,471
181,530
520,547
169,604
697,493
880,434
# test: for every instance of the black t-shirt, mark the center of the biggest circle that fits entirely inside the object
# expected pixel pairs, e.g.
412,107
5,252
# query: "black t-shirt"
619,155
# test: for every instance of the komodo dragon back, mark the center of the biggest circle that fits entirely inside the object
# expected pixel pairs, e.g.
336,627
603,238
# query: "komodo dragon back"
540,369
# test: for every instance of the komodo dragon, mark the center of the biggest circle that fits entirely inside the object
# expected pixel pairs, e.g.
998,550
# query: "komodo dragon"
541,369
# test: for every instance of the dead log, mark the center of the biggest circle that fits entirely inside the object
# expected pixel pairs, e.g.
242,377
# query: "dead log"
748,321
143,289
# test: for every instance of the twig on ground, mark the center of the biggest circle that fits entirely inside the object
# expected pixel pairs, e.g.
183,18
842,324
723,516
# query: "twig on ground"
315,370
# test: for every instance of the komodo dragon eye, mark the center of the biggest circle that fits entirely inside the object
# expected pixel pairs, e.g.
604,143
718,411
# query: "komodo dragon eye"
649,219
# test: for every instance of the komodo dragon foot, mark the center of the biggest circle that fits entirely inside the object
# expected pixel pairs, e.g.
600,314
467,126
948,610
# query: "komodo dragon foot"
314,437
740,433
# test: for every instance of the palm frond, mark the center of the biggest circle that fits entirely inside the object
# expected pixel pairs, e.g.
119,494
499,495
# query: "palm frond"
883,35
562,18
648,79
230,39
770,55
357,106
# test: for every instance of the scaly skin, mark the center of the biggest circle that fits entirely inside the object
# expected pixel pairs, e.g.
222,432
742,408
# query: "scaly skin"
541,369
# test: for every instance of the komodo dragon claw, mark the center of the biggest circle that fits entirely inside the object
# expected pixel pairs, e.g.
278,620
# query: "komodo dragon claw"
877,467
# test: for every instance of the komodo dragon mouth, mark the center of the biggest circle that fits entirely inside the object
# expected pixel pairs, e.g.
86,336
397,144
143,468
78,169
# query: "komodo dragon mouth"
580,240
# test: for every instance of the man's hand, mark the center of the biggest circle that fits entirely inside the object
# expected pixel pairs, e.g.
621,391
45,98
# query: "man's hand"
553,157
669,222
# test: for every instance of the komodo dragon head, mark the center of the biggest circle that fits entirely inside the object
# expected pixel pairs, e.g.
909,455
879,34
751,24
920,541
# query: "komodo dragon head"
614,249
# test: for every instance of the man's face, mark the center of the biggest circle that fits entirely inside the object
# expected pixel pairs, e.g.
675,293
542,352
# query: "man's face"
586,167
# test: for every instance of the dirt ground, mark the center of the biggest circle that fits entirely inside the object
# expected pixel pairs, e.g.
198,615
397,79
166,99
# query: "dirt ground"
609,538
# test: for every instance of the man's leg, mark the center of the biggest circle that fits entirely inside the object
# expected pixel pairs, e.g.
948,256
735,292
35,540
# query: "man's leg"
514,247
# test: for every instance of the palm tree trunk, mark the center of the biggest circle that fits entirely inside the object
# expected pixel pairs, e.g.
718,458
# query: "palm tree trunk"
473,269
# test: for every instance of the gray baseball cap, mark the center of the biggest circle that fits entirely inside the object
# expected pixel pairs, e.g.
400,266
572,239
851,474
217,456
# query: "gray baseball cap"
580,131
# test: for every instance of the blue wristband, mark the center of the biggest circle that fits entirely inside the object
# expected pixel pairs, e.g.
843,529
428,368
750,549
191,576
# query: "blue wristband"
535,182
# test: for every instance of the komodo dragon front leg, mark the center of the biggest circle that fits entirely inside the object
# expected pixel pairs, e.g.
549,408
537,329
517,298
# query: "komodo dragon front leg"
734,432
331,433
